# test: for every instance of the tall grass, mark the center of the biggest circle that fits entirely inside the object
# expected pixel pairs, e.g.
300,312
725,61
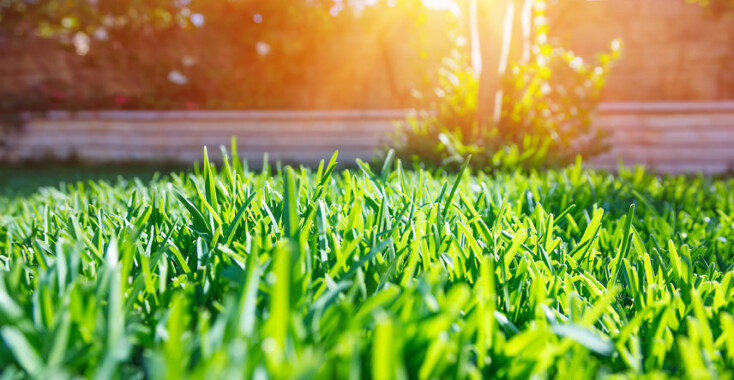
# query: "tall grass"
380,273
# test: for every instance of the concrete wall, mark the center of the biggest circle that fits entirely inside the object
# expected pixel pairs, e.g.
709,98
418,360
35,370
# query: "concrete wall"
671,137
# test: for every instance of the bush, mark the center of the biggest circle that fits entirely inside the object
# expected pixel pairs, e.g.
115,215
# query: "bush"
546,113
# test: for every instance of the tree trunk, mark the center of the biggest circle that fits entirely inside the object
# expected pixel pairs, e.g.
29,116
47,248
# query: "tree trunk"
503,35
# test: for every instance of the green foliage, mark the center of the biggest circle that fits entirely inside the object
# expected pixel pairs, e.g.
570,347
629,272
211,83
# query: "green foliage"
49,18
546,113
230,273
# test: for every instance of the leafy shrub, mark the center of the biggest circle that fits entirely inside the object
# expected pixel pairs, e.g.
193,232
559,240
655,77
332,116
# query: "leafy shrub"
546,113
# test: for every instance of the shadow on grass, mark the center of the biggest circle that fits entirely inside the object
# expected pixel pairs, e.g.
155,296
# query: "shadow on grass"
25,179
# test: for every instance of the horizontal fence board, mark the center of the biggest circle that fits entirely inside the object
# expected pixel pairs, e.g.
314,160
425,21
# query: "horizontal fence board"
678,168
666,107
255,142
668,155
663,121
211,115
191,155
681,139
674,137
209,127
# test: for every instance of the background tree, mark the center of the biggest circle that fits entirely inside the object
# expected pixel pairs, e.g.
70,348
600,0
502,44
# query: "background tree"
231,53
502,33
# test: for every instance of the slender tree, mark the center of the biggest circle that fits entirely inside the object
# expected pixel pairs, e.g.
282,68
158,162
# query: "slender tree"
500,33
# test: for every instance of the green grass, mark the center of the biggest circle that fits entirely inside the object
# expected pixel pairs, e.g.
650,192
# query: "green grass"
376,272
25,179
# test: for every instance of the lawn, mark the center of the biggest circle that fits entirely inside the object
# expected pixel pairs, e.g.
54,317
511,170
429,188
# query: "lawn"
373,272
25,179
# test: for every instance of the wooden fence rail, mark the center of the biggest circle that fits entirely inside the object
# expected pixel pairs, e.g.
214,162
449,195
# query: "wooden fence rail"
669,137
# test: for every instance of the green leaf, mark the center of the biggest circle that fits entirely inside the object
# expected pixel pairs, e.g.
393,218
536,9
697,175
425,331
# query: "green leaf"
24,353
585,337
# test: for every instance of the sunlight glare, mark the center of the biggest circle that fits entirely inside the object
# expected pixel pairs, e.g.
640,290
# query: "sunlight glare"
449,5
